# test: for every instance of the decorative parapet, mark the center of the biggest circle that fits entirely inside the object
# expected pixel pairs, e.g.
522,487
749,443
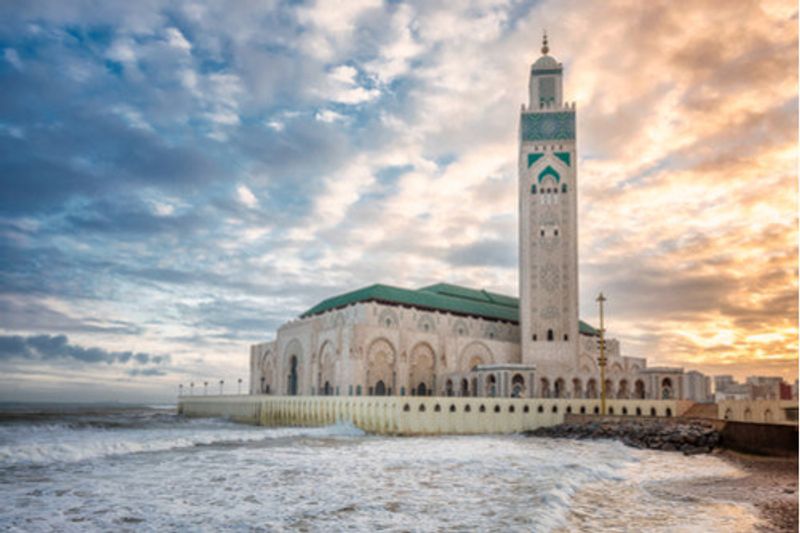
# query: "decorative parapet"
551,125
548,107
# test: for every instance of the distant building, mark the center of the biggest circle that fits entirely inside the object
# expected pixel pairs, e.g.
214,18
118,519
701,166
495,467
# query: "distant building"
723,382
785,391
736,391
765,387
696,387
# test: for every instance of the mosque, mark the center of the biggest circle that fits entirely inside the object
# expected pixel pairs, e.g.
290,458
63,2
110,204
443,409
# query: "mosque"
448,340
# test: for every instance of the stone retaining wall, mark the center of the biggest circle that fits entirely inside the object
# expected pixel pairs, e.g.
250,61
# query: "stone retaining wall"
413,415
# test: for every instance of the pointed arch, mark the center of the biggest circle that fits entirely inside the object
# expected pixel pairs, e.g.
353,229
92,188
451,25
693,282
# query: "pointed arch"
474,353
381,357
548,171
421,367
326,367
293,366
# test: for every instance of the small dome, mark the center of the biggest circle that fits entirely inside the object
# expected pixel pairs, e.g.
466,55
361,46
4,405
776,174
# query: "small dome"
546,62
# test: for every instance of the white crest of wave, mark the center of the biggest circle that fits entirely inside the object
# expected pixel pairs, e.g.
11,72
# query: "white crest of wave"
43,444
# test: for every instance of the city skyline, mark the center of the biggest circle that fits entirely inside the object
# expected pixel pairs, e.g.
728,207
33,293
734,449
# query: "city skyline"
179,180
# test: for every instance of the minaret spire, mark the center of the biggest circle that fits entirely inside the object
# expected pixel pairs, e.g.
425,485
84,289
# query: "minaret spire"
545,48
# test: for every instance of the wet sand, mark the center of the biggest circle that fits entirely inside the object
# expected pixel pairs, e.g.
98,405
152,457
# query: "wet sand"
769,485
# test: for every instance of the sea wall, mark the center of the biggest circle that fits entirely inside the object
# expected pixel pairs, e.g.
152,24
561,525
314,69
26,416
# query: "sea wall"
414,415
763,411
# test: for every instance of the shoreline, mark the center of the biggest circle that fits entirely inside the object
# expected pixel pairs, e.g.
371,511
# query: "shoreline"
769,485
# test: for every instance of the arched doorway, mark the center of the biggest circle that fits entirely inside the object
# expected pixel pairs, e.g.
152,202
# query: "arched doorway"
421,369
558,388
380,367
292,385
327,389
591,388
577,388
475,387
465,387
491,385
622,390
518,386
639,389
544,388
380,388
666,389
448,387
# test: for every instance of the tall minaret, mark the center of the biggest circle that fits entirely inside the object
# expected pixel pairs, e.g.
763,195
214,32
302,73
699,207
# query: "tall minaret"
548,236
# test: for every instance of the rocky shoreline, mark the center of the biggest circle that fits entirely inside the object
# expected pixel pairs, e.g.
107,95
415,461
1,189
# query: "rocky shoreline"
691,437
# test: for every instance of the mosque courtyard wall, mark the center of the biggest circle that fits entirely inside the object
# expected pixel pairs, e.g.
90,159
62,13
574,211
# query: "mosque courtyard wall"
432,415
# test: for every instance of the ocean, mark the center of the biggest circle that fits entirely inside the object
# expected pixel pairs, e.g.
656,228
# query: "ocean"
144,468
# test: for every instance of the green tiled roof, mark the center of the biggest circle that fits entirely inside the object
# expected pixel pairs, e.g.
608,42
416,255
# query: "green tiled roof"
440,297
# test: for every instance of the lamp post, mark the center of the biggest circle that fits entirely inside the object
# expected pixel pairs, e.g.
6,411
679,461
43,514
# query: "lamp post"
602,360
263,390
191,388
180,390
205,388
240,386
221,383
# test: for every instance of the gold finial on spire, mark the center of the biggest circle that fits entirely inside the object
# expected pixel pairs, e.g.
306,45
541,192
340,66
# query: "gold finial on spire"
545,48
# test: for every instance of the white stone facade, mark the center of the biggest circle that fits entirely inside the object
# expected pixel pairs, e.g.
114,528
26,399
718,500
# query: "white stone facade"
372,348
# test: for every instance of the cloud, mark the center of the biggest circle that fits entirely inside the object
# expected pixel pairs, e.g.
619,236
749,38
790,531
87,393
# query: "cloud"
54,347
12,56
328,115
246,196
176,39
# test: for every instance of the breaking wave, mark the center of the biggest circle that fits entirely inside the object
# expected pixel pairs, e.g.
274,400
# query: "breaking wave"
91,438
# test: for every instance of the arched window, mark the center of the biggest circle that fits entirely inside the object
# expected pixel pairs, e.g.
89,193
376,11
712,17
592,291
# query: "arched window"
550,335
566,337
541,233
564,188
555,232
533,189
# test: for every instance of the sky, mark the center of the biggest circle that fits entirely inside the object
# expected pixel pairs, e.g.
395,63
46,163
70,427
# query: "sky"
177,179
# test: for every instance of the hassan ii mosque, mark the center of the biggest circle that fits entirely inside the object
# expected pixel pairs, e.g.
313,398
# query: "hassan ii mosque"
448,340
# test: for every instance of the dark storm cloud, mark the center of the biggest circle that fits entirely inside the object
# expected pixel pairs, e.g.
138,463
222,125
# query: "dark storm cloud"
55,347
